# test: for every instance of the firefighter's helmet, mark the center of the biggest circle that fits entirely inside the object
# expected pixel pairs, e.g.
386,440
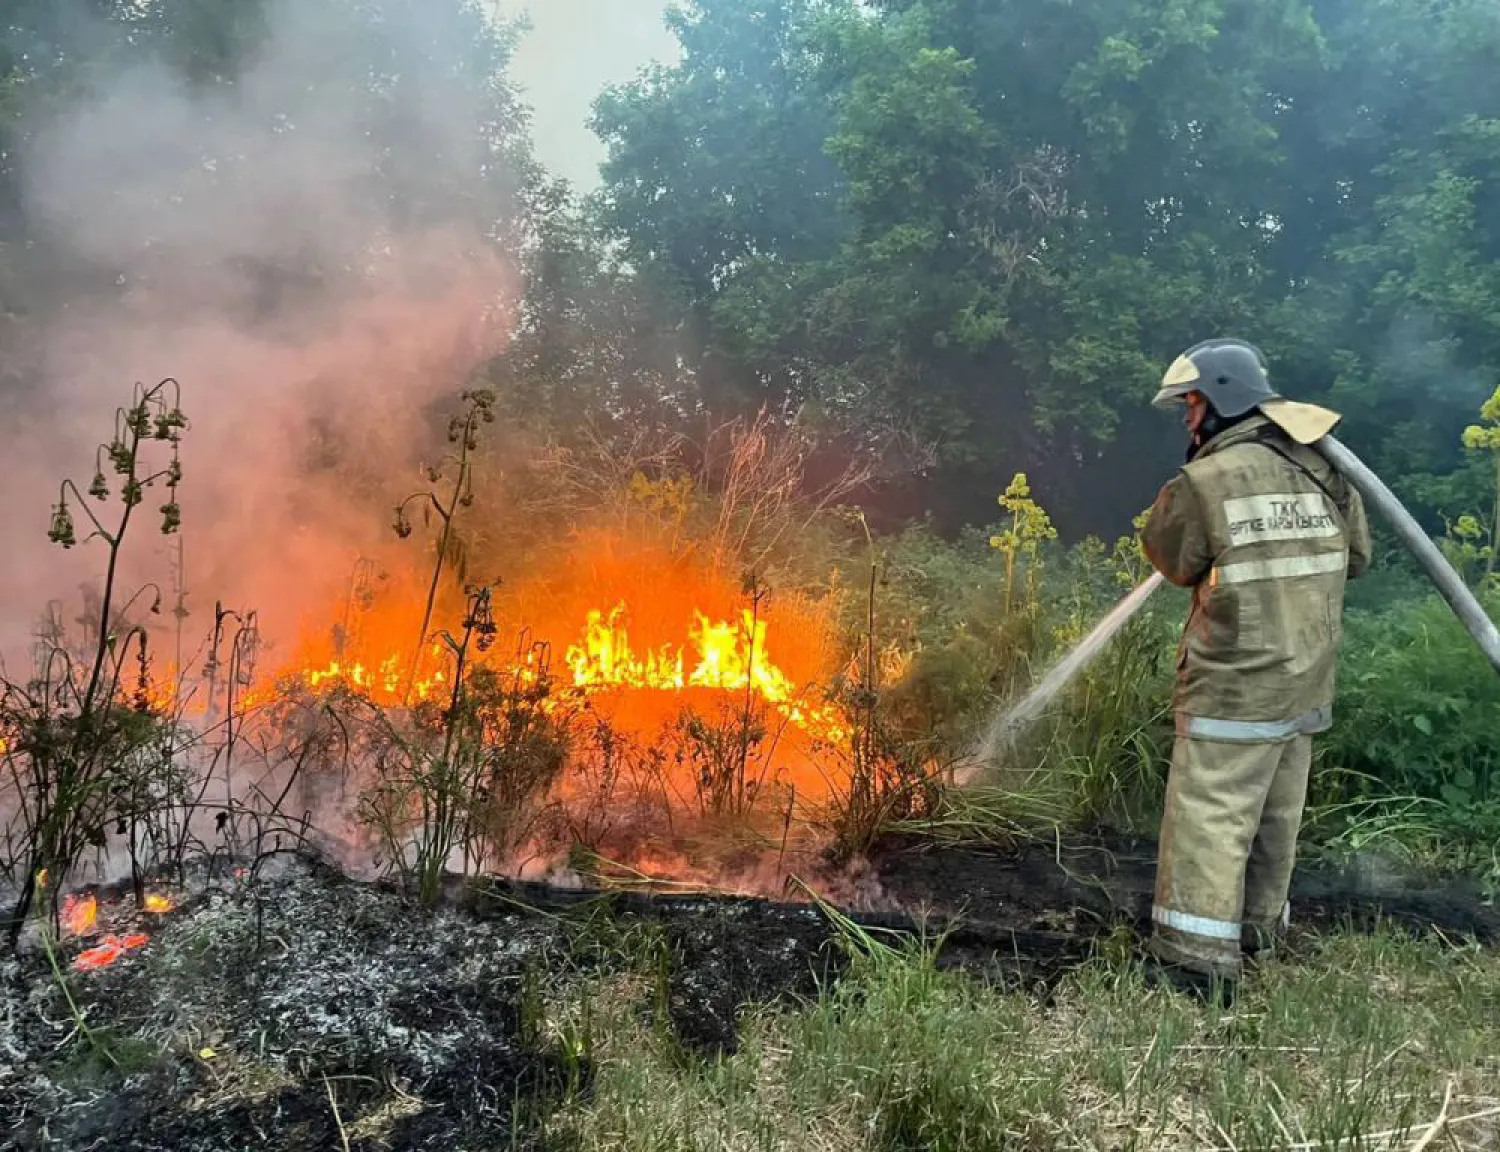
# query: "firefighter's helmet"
1230,374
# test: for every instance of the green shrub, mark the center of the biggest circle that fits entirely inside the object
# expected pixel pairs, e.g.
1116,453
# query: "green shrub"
1418,709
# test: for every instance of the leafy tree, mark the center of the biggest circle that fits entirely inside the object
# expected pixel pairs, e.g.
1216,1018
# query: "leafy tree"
993,223
718,188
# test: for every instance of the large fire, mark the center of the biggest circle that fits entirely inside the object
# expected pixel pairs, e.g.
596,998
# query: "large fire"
720,655
674,654
639,629
724,657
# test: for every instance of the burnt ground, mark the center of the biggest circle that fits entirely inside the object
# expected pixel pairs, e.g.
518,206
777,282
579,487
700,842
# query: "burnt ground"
1082,887
310,1011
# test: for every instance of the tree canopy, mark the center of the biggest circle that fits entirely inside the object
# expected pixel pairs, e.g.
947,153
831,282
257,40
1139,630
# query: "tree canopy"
994,222
977,227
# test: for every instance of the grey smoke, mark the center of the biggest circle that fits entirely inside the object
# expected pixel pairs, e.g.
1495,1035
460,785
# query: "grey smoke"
316,257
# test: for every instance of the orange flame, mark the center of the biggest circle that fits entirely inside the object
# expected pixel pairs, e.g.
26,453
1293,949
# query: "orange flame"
383,682
108,950
155,902
79,914
679,634
728,658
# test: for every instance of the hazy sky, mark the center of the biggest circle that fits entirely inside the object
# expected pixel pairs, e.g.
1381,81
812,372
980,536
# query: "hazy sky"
575,49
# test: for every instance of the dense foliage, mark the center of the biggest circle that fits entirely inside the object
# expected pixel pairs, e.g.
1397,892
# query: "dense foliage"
965,232
989,224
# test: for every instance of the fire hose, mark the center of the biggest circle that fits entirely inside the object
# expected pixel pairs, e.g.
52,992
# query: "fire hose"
1465,604
1449,583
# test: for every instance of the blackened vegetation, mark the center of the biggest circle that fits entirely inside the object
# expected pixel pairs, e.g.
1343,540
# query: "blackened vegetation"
710,956
1085,886
310,1012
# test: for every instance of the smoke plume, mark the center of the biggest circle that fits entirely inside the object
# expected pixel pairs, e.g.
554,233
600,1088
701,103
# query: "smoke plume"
317,244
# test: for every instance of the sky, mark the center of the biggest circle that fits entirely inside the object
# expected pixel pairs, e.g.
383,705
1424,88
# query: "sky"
575,49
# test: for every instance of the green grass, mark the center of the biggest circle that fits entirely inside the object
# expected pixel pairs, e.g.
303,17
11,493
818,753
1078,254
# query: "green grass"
1353,1045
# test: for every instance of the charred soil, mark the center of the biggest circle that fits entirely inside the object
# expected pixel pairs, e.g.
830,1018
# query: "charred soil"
310,1011
1087,885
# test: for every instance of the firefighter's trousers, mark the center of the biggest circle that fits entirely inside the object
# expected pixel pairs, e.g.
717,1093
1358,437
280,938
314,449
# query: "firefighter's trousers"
1227,850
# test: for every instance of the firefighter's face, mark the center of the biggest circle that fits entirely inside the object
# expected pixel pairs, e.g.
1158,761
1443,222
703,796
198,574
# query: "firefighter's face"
1194,411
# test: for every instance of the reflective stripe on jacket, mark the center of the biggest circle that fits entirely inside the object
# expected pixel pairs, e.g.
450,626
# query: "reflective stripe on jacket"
1265,532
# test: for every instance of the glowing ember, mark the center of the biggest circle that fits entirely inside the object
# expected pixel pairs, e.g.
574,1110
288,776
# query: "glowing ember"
107,951
157,903
79,914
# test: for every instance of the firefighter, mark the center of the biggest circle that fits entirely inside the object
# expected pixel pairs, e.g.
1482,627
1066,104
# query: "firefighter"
1265,532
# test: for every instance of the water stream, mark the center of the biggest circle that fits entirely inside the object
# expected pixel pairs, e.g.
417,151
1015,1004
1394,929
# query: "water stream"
1013,720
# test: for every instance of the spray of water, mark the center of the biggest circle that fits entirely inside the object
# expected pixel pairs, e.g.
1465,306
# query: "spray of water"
1012,722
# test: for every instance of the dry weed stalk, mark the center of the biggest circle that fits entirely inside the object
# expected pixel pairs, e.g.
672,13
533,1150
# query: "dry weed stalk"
78,746
94,745
760,468
749,476
468,774
463,431
888,778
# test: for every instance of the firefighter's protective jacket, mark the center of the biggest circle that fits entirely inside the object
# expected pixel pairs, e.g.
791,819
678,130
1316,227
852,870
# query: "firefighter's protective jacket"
1265,532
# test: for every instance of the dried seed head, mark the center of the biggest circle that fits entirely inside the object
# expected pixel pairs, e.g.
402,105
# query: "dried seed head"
169,423
61,531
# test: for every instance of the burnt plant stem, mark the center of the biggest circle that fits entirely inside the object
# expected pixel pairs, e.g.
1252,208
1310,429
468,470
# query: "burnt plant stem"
116,541
449,786
446,516
110,569
465,435
245,637
757,595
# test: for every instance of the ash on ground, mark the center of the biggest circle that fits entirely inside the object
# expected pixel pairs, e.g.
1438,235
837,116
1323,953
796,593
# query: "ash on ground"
310,1010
